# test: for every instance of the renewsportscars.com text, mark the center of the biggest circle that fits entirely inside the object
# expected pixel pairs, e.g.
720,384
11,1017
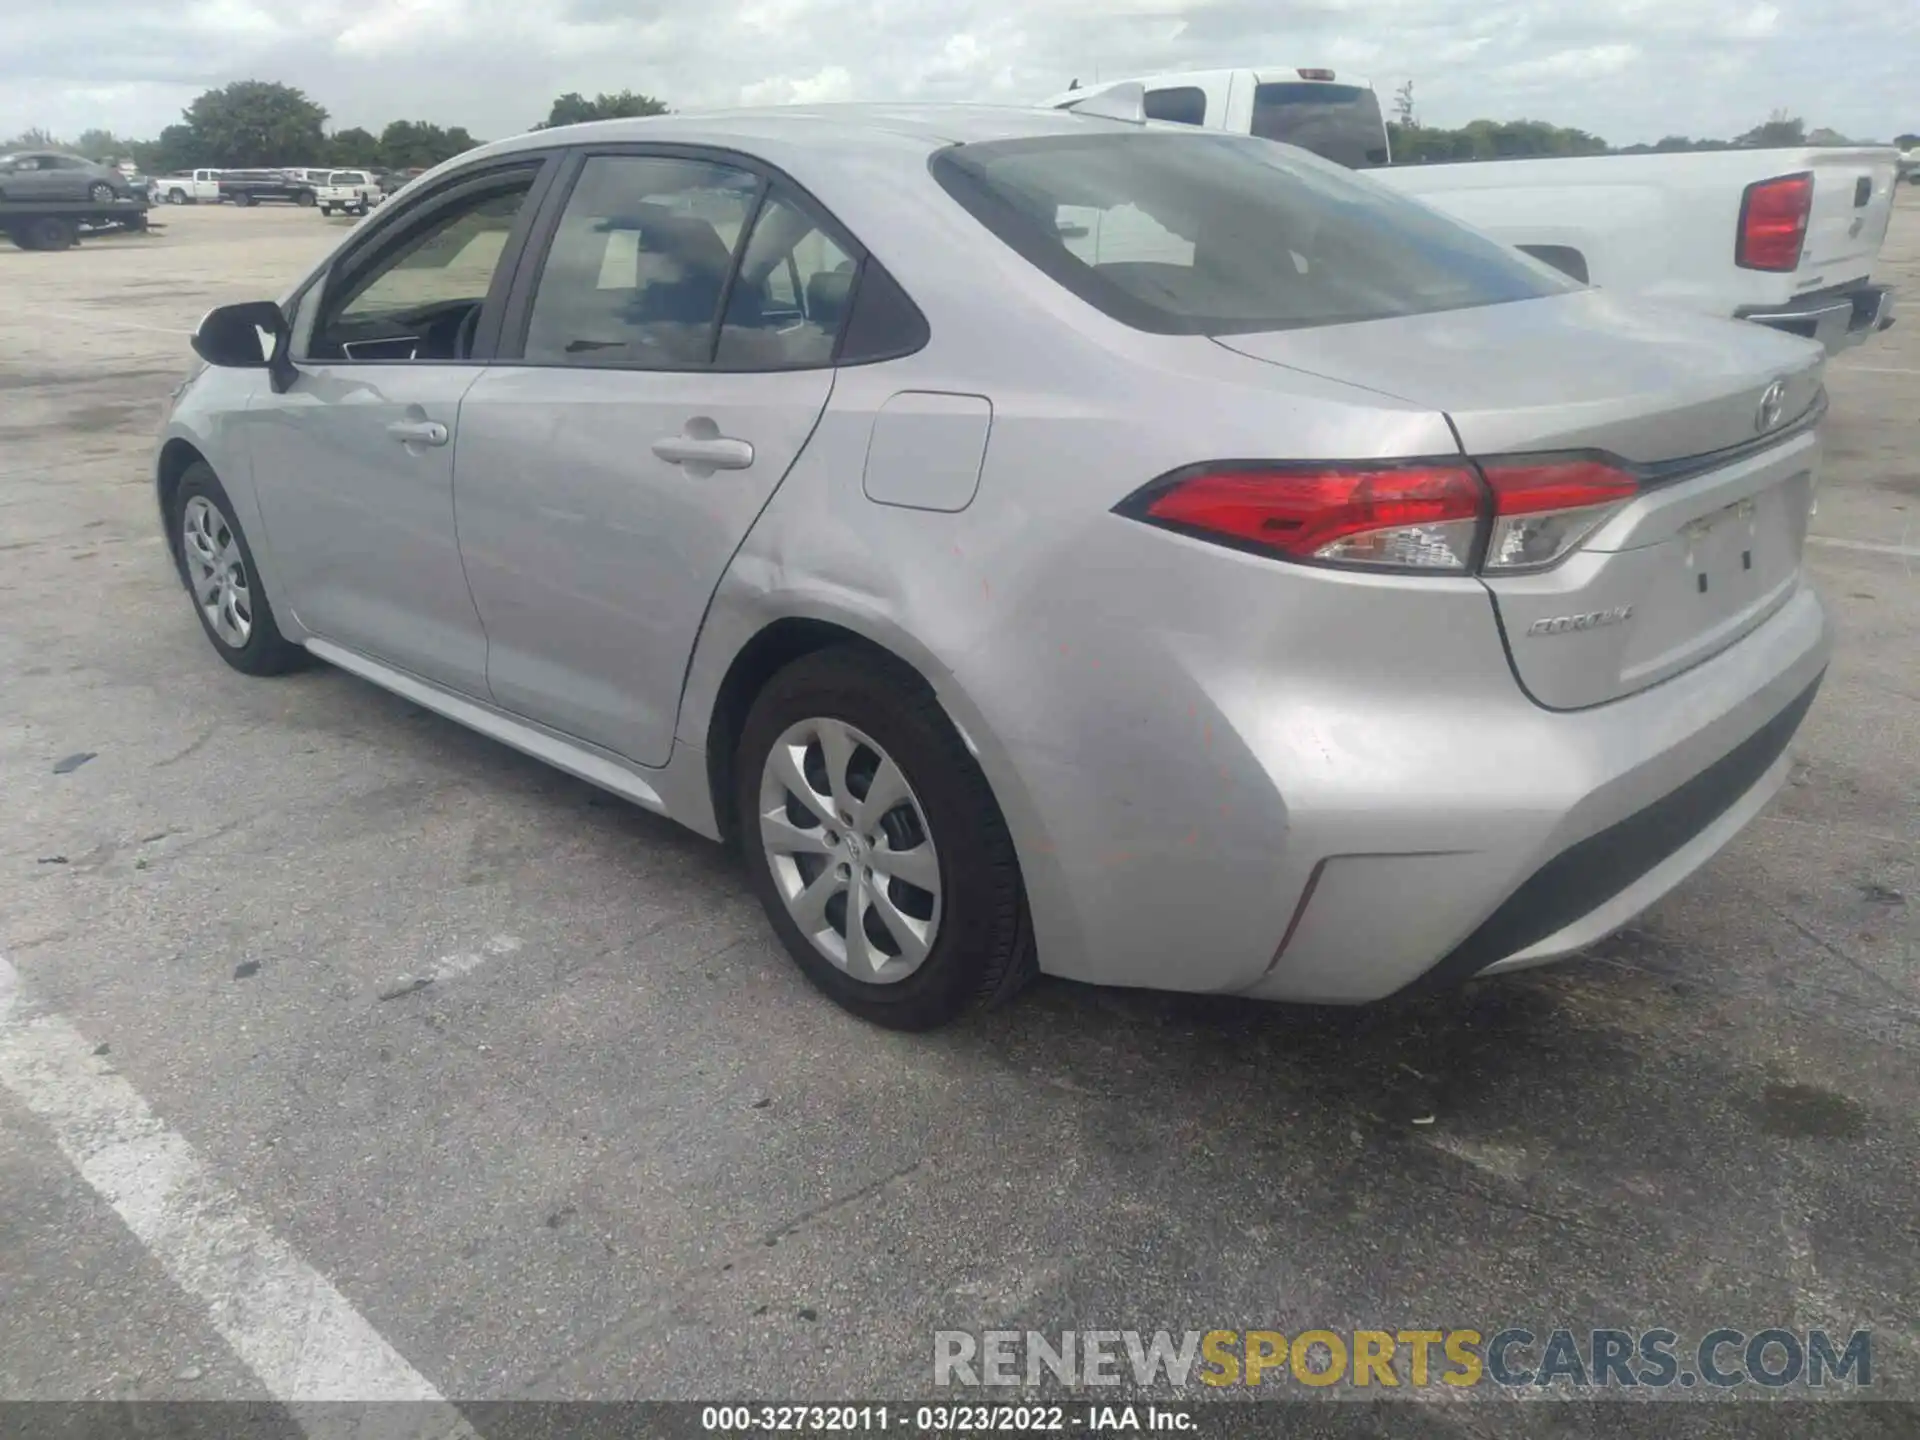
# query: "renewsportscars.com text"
1511,1356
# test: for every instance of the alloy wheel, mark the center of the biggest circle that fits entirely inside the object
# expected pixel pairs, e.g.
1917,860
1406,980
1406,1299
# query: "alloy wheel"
217,571
850,850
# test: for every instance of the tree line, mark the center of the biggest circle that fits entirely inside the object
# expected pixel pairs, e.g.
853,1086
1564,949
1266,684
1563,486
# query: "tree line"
1417,144
255,123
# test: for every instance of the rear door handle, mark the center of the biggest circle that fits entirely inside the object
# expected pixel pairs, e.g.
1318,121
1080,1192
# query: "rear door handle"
701,453
418,432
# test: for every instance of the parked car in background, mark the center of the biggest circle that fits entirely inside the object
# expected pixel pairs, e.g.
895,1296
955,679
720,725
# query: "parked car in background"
54,175
1784,237
1329,601
351,192
189,187
250,187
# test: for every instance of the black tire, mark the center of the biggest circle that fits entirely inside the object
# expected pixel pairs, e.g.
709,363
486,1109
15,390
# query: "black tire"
244,199
100,193
49,232
304,198
982,952
266,651
176,196
327,210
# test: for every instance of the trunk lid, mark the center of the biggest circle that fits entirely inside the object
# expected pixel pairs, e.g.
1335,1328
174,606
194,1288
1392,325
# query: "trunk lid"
1852,204
1712,543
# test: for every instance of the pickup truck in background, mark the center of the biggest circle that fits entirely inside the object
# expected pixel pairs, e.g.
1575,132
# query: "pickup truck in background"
1785,237
351,192
189,187
250,187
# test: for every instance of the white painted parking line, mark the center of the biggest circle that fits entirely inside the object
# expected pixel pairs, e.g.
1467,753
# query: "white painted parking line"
291,1328
1874,370
96,322
1872,547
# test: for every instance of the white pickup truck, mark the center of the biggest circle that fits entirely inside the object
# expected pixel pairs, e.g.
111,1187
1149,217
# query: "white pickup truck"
350,192
1784,237
189,187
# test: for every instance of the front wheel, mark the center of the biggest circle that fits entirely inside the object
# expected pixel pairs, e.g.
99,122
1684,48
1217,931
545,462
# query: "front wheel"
218,566
100,193
304,198
875,845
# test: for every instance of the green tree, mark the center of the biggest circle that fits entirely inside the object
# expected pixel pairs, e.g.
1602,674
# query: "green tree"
353,146
1906,142
573,108
420,145
177,148
1780,128
102,145
258,122
33,138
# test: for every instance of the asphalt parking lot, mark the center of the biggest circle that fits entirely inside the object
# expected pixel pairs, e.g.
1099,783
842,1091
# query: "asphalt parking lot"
618,1148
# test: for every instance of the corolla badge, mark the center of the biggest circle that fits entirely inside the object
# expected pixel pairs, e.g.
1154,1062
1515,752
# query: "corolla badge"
1773,404
1592,620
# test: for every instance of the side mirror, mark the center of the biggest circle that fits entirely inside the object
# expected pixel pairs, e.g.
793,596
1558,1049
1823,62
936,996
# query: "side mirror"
253,336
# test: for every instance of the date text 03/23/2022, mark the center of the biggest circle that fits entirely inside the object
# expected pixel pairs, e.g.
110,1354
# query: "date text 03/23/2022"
947,1419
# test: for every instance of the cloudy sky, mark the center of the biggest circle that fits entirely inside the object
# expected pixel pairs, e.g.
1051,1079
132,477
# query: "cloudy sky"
1625,69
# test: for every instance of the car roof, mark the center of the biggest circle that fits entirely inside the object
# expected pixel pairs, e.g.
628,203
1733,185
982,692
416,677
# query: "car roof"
852,125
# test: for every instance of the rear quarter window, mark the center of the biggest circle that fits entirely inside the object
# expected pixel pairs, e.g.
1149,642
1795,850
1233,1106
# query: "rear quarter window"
1195,233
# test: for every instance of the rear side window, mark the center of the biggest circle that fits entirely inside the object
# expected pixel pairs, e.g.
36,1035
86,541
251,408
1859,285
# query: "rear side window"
639,263
1341,123
1202,234
1181,104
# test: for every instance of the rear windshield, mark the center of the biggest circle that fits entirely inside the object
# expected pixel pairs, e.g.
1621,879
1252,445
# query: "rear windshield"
1197,234
344,177
1341,122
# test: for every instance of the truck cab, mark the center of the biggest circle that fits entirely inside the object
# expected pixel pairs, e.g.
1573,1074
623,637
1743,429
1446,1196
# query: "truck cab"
1336,118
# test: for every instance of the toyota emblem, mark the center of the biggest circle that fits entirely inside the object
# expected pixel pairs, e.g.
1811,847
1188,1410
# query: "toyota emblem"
1771,405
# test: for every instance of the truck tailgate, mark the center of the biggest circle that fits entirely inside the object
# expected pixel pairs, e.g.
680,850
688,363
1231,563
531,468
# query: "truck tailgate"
1852,203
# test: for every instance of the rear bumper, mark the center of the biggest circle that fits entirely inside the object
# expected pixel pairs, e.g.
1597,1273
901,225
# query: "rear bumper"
1632,797
1837,319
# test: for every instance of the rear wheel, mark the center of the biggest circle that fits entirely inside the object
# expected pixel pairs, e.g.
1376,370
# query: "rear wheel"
875,844
243,199
176,196
227,595
100,193
49,232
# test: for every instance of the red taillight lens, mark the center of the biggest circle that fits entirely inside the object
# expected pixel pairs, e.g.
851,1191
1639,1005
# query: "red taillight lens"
1773,223
1543,508
1418,517
1503,516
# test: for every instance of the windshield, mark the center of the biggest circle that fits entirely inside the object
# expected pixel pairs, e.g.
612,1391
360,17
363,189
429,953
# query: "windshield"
1201,234
1341,122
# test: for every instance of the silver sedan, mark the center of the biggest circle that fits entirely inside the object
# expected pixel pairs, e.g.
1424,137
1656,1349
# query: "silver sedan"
1039,541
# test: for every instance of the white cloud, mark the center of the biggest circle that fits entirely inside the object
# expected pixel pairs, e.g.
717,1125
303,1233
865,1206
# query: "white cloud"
1625,69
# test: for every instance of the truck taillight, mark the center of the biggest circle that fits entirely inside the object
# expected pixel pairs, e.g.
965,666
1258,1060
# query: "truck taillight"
1773,223
1434,517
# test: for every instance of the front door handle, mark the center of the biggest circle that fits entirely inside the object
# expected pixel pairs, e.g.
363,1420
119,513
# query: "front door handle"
418,432
704,453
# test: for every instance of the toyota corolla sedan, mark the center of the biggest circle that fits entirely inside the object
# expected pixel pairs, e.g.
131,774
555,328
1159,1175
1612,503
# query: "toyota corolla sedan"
1038,541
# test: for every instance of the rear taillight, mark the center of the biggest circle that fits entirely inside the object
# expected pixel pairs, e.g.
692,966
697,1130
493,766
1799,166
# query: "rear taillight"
1414,517
1773,223
1433,517
1543,508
